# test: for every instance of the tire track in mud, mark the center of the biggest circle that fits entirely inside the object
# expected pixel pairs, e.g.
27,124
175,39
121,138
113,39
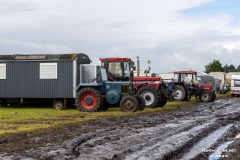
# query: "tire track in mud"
164,135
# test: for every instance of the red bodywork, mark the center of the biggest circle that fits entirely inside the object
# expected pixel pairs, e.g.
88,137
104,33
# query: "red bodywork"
115,59
151,81
207,87
185,72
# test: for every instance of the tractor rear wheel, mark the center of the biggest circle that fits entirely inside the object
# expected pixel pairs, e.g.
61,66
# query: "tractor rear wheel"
89,99
150,94
205,96
179,93
163,100
141,102
213,97
129,104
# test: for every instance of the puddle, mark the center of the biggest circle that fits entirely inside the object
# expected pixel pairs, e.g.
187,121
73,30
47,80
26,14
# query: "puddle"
205,143
217,154
238,136
172,125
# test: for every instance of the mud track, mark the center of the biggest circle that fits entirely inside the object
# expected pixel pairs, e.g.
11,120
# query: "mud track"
188,132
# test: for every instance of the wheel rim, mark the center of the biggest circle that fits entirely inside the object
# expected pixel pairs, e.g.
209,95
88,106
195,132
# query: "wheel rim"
129,105
178,94
148,97
205,97
58,105
88,100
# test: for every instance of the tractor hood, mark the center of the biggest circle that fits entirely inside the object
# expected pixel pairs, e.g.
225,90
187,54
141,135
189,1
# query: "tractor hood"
146,78
207,87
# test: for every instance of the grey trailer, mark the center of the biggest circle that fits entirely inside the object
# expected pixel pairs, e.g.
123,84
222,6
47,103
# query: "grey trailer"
50,76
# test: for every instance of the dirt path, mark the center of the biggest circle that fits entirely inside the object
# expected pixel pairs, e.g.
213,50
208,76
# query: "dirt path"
195,132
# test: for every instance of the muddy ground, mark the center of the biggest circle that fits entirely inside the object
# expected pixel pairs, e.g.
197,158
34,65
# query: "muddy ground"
199,131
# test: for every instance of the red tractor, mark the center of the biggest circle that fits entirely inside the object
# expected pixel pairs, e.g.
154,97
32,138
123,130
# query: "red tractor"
151,88
186,85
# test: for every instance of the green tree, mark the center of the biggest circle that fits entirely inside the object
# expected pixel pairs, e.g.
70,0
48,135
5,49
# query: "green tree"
226,68
214,66
238,69
232,68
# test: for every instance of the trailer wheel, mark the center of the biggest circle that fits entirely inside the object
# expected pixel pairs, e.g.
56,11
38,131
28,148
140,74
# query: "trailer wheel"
141,102
3,102
179,93
58,105
89,99
129,104
150,94
205,96
163,100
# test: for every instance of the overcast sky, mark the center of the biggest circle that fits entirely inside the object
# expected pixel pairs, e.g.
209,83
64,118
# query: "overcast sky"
173,34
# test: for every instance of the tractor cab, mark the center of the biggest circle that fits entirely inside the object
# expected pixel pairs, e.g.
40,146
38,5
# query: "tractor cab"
117,68
188,77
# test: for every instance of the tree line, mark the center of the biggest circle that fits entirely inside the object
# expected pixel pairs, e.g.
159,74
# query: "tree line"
216,66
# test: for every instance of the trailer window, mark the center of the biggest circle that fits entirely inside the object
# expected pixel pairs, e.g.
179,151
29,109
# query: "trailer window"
237,83
48,70
3,71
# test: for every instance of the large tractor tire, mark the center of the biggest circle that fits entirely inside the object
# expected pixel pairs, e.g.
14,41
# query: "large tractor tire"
163,100
206,96
213,97
141,102
89,99
105,105
150,94
179,93
129,104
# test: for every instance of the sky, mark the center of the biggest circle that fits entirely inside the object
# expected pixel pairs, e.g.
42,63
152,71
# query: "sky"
174,35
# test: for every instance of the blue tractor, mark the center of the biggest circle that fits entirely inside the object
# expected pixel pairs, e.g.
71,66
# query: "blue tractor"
96,92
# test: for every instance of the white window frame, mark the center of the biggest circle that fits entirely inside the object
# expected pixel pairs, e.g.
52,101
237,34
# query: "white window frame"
3,70
44,75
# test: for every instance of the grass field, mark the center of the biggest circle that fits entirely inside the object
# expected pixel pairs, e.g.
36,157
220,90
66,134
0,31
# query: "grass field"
14,120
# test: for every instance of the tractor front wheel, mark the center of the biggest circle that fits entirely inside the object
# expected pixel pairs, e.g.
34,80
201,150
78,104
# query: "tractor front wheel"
141,102
89,99
129,104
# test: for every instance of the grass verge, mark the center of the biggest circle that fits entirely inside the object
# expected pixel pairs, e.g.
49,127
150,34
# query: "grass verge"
16,120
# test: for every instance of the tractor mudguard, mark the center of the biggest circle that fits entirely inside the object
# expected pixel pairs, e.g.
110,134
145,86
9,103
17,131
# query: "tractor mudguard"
140,85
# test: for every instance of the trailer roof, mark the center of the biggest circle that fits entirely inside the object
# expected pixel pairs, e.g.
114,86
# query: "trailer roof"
39,56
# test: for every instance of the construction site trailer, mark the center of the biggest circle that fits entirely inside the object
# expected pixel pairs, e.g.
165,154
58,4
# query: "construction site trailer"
53,76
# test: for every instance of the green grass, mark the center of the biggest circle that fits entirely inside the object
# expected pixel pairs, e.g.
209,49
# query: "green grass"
14,120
